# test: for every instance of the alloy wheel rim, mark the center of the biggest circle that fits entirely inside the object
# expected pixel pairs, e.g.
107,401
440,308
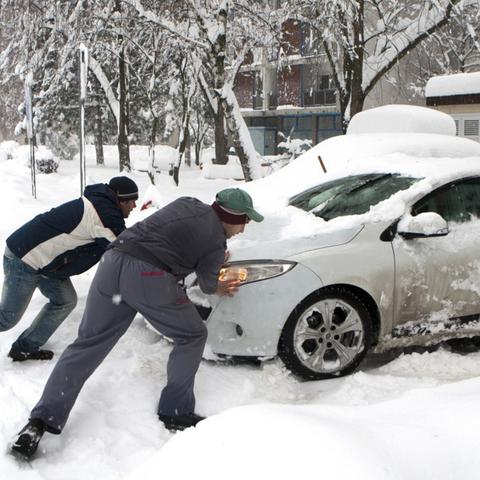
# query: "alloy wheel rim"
329,336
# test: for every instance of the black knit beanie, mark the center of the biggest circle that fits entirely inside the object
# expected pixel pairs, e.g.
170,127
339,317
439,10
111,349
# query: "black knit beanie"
125,188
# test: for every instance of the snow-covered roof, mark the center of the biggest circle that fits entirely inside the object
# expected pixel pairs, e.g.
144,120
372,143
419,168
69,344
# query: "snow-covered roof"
457,84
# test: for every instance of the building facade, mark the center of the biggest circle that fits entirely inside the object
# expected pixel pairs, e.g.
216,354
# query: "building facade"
295,100
459,96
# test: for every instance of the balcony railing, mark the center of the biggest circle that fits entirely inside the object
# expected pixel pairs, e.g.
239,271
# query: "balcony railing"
273,100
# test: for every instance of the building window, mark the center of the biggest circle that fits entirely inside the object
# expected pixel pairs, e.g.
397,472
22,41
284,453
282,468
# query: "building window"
318,87
257,122
300,127
311,42
470,128
328,125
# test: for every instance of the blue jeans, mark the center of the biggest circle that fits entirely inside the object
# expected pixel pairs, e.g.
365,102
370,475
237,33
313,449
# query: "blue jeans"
18,286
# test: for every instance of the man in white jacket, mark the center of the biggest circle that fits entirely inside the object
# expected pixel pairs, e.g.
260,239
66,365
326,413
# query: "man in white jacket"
46,251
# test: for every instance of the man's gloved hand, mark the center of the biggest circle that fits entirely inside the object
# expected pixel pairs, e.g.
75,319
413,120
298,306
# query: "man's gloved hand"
227,287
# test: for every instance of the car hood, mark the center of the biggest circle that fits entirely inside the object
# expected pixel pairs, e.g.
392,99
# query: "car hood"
288,247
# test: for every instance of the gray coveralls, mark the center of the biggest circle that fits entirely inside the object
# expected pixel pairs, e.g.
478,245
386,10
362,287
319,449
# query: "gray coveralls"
124,285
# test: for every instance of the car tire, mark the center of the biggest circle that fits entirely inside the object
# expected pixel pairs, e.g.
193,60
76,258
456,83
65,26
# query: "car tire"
317,342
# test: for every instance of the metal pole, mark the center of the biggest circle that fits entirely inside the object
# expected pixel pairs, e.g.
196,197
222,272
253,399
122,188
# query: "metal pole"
32,169
83,96
30,131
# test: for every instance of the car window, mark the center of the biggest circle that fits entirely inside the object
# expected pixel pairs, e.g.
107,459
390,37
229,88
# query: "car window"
350,195
456,202
320,194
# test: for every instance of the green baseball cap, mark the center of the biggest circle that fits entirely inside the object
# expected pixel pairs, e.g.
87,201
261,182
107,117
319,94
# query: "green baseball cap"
239,201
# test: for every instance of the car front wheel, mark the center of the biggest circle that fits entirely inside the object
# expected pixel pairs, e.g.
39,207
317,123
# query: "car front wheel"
327,335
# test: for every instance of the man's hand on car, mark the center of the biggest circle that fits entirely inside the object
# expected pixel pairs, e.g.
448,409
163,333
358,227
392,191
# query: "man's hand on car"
227,287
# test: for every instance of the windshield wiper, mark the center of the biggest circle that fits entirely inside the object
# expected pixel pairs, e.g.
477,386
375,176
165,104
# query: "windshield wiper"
326,211
368,183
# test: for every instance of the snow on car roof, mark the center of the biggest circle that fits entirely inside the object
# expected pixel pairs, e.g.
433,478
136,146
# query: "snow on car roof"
402,119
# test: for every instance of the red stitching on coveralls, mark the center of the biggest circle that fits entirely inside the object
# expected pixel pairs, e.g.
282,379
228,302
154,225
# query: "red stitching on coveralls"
158,273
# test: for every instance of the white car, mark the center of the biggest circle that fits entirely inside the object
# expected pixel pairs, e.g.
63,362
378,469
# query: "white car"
382,250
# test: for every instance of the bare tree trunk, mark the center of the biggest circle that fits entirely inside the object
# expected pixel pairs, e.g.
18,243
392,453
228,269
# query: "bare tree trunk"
249,158
181,148
153,139
234,132
197,138
123,144
122,140
220,141
218,53
356,88
198,146
188,154
98,134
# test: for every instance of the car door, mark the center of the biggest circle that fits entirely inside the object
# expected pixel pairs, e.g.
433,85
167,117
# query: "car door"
437,278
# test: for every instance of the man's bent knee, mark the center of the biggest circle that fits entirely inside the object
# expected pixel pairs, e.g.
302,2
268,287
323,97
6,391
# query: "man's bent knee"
8,320
200,335
70,302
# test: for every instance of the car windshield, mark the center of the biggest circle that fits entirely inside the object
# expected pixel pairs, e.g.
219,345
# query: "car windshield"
350,195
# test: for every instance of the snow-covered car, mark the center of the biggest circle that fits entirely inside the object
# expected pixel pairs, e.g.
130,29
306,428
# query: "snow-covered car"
380,251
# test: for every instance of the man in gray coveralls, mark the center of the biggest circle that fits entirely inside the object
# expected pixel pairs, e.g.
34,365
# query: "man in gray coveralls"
140,273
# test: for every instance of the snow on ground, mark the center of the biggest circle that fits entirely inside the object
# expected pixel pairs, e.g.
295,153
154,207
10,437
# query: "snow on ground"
415,417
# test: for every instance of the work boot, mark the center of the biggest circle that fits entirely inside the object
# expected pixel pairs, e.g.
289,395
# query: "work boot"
180,422
26,442
19,356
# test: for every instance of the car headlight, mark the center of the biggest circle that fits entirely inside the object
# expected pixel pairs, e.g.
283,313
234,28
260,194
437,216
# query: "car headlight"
248,272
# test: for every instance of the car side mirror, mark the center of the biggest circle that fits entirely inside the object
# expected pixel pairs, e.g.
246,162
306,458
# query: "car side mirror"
423,225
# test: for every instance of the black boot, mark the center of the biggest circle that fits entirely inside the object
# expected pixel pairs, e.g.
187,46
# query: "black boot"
19,356
180,422
26,442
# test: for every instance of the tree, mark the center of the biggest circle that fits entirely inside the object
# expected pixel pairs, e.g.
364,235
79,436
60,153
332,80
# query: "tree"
200,127
452,49
11,87
45,42
363,40
219,34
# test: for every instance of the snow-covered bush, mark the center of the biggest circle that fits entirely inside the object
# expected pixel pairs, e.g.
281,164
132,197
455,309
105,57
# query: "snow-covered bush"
45,160
7,150
46,165
293,146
